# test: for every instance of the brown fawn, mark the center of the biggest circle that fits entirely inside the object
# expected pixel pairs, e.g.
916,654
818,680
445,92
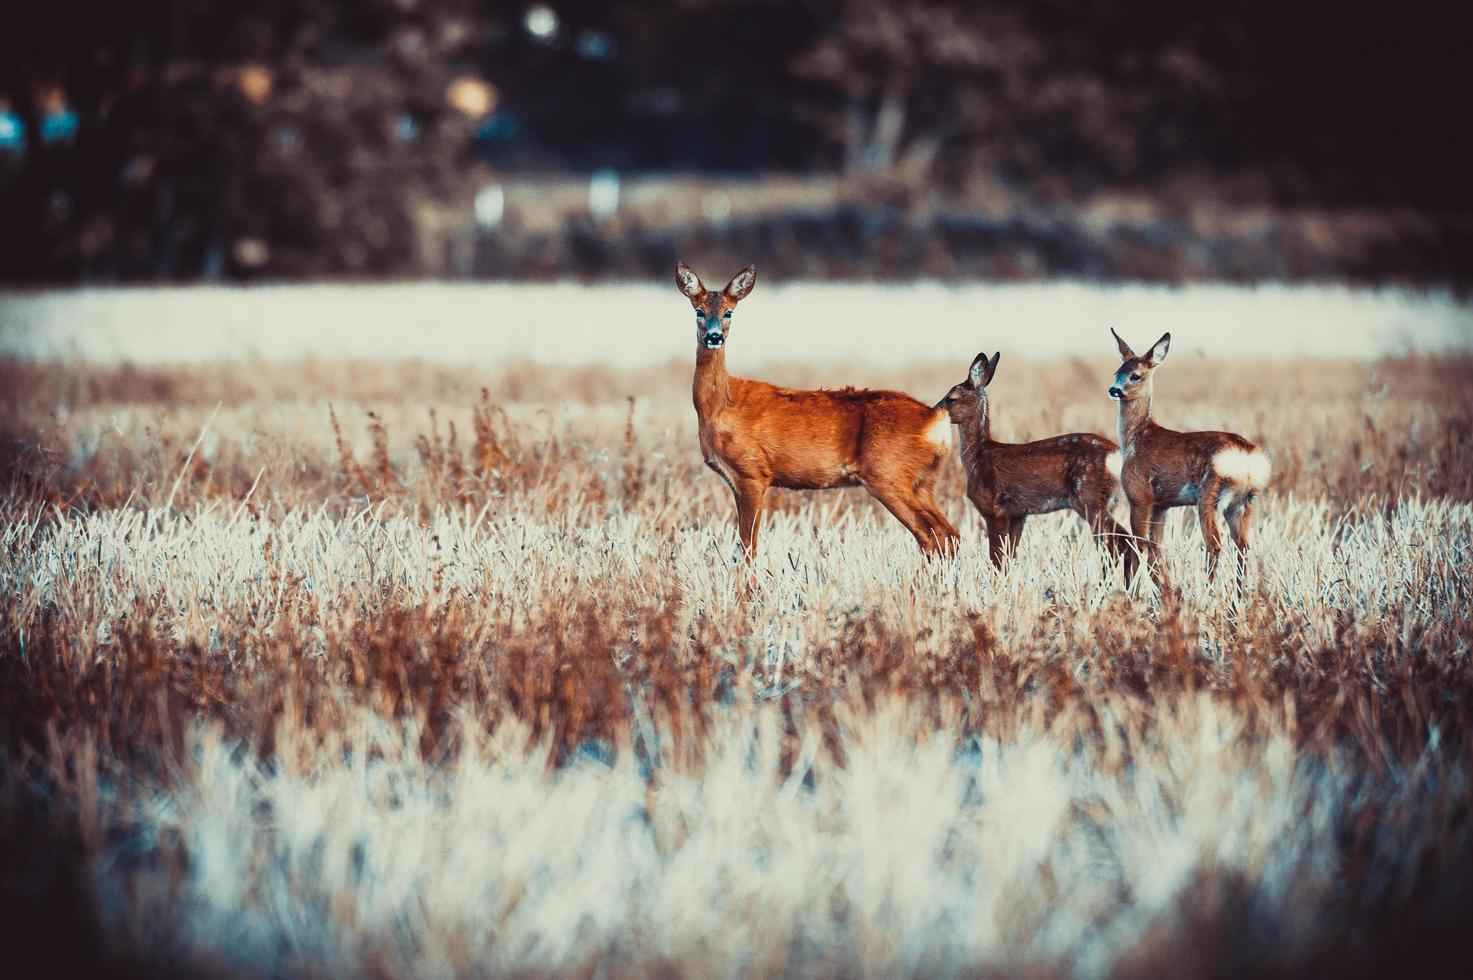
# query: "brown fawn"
1164,468
756,435
1010,482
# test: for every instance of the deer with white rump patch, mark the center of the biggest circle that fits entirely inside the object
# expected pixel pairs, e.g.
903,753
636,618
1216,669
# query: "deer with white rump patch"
756,435
1164,468
1009,482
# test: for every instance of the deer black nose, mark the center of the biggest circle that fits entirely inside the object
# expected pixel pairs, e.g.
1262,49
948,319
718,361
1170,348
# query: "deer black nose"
1115,392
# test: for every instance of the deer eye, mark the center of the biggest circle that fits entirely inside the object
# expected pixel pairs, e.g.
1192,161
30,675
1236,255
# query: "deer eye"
1135,377
700,315
726,315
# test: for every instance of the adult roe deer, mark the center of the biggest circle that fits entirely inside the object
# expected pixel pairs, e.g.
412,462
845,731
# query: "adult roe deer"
756,435
1164,468
1010,482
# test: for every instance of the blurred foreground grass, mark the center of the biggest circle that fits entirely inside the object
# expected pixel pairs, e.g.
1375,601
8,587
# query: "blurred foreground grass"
474,684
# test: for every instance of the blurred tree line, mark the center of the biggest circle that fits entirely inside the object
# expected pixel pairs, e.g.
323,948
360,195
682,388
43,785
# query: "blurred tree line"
174,139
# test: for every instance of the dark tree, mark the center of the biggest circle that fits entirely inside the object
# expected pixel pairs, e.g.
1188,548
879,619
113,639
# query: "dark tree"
322,137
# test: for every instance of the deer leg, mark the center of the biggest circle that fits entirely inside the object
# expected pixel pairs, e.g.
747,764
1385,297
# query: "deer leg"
1145,528
1109,535
1015,533
1140,532
1158,525
1158,528
899,504
997,531
1116,540
1239,516
749,496
942,529
1211,533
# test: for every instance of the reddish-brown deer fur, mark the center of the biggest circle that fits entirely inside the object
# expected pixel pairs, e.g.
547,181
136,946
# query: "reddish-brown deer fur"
1164,468
756,435
1009,482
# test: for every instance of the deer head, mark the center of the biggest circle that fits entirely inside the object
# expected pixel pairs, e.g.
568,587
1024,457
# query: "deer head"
1133,377
969,398
713,309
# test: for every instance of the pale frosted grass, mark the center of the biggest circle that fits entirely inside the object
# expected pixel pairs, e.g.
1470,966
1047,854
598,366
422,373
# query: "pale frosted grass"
222,571
924,853
642,325
912,858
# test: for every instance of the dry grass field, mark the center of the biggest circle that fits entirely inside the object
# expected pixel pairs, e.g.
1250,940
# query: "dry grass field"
332,666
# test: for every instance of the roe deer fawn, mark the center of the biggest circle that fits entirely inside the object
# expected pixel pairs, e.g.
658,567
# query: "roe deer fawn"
756,435
1164,468
1008,482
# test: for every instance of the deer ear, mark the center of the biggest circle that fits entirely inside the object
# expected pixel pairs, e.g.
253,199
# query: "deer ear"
992,366
1125,352
1158,352
741,284
687,281
977,373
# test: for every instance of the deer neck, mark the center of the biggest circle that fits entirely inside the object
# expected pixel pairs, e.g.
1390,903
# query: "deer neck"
1135,417
975,432
711,388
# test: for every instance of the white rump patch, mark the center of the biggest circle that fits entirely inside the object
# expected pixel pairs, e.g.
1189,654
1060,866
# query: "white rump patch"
1113,462
939,431
1246,466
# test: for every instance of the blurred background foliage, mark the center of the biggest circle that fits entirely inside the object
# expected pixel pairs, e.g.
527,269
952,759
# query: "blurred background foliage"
1244,139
